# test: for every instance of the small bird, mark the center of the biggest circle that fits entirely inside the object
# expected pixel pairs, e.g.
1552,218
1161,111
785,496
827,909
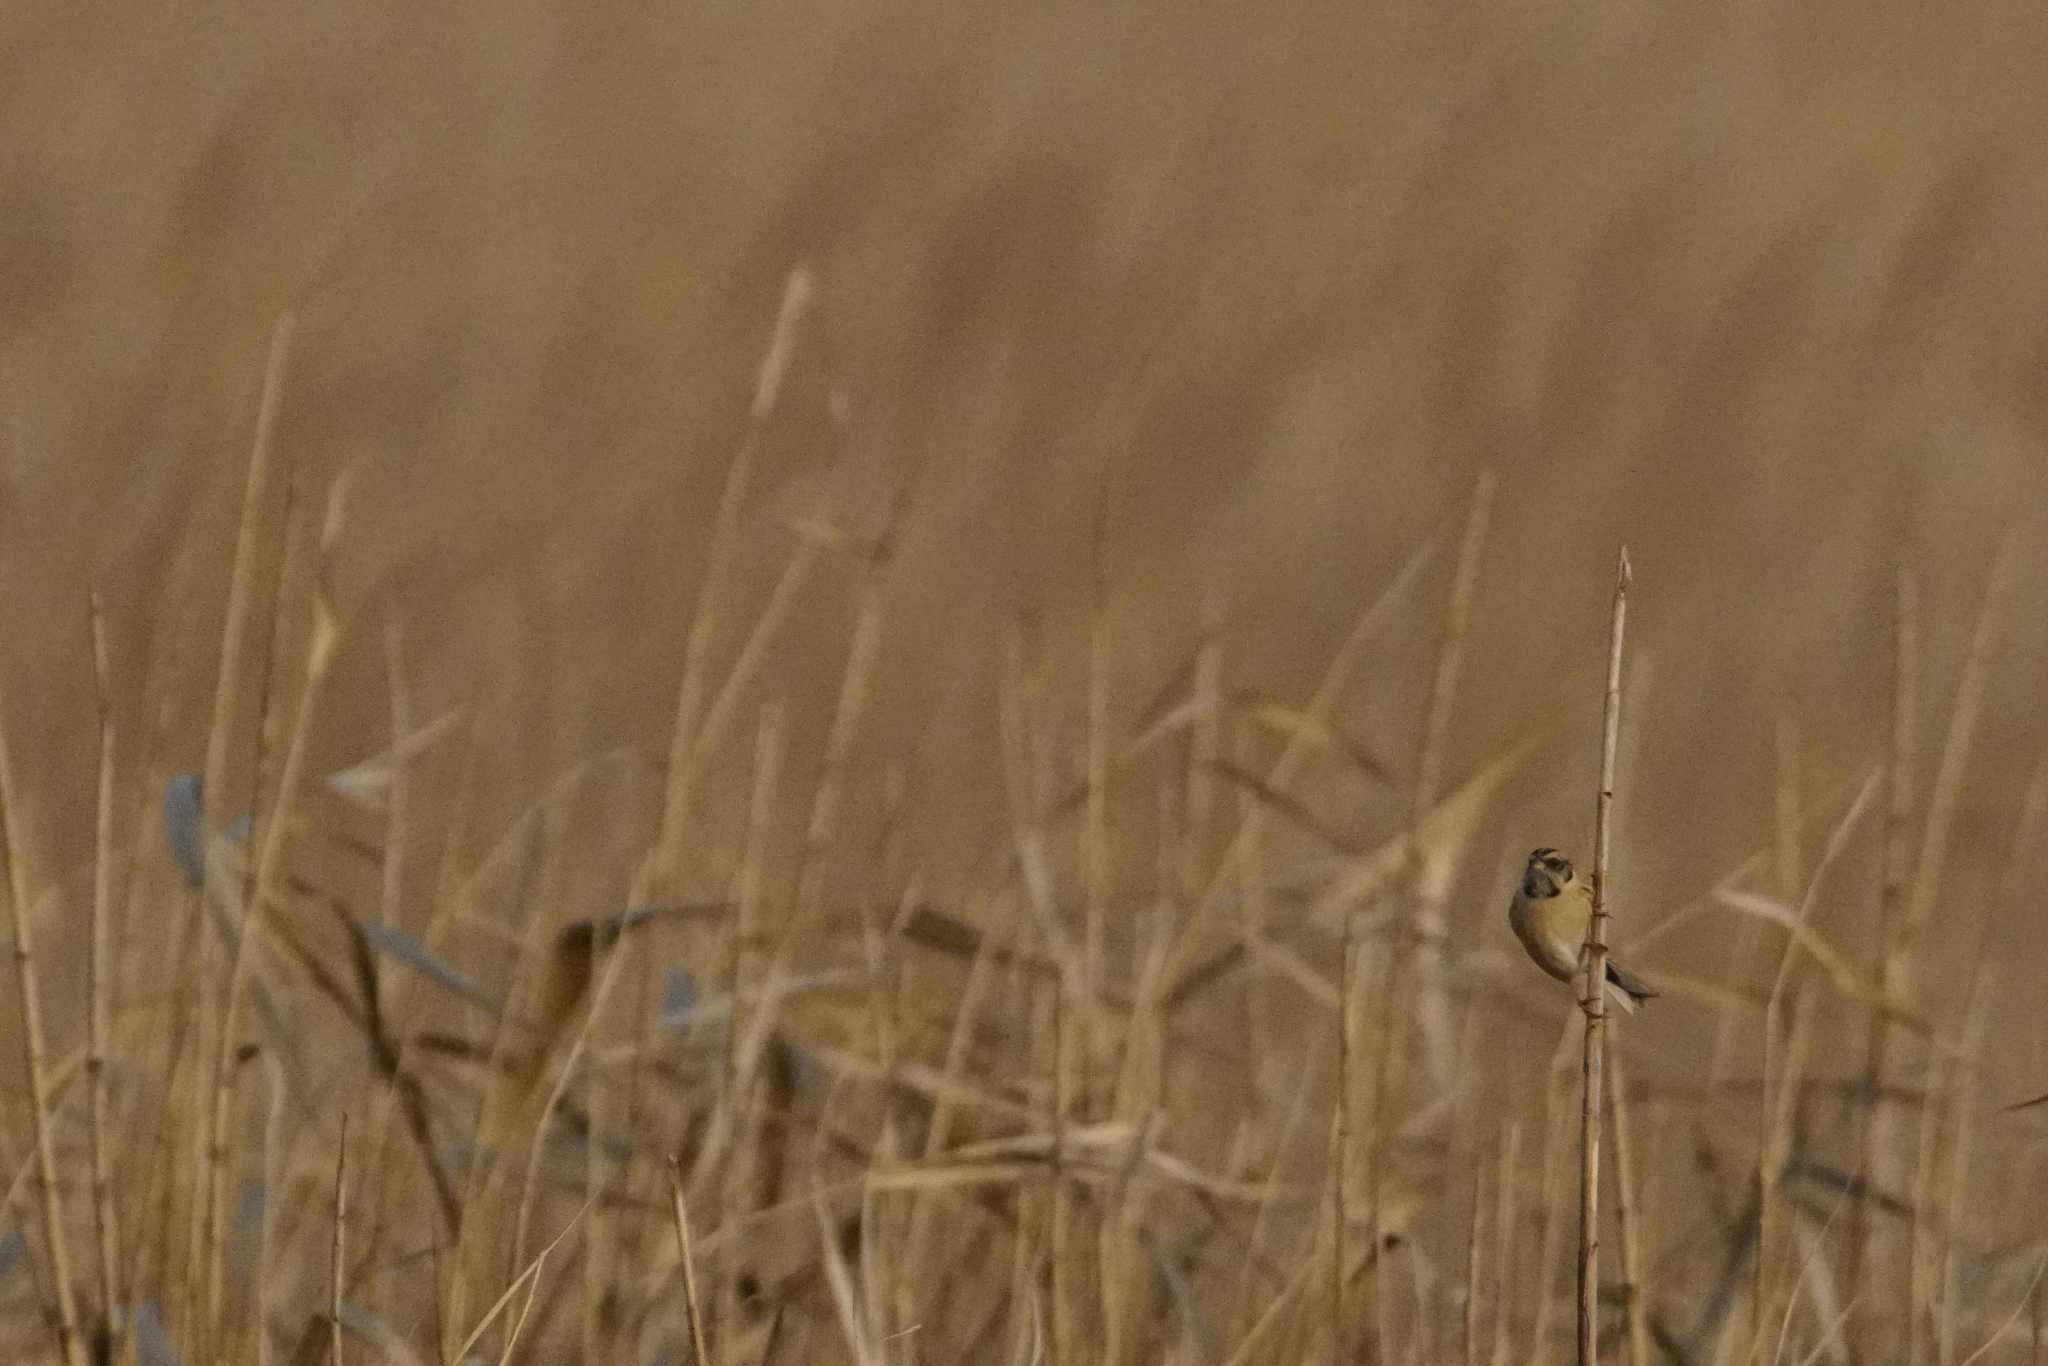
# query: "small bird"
1550,913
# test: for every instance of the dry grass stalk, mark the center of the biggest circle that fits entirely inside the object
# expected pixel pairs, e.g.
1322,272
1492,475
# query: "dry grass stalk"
1891,967
1432,1004
215,816
32,1044
1962,1133
1777,1143
768,749
386,1009
1554,1172
500,1094
1096,853
692,1306
1636,1295
99,987
1186,966
1029,787
1506,1218
1340,1132
1268,1204
1590,1112
528,1280
1397,967
1474,1241
684,731
1904,913
276,1160
337,1252
320,651
1774,1082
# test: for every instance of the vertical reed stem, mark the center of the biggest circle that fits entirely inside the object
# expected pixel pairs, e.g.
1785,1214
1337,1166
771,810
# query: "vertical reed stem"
106,1225
34,1057
1596,983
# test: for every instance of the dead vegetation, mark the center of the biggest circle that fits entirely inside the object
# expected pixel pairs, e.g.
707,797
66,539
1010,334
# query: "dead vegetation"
526,898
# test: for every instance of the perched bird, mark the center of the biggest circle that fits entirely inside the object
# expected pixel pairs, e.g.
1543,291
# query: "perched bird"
1550,913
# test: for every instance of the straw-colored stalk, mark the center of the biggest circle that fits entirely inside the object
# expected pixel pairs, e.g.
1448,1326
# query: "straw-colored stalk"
441,911
921,1243
393,998
820,832
1475,1228
320,651
1245,1299
1095,843
1635,1294
276,1158
1779,1112
704,621
99,987
1903,910
1596,982
578,1045
1555,1173
1028,784
767,777
1780,1069
1506,1218
55,1247
1891,967
1432,1004
337,1252
692,1306
1340,1130
501,1092
1187,963
214,811
1962,1133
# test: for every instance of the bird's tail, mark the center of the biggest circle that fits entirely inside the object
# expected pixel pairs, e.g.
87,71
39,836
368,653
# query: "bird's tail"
1625,988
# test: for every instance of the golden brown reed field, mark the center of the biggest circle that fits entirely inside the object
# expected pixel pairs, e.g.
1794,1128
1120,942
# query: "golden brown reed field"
925,640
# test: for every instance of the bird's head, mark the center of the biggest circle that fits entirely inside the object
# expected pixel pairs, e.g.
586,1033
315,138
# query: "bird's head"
1548,873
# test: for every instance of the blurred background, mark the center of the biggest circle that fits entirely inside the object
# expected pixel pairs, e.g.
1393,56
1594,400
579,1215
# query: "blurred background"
1760,290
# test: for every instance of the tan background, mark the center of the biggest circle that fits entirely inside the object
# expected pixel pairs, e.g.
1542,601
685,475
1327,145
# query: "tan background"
1761,289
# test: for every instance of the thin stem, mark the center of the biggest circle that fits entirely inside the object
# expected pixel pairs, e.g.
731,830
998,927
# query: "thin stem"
1596,983
337,1266
215,807
32,1050
699,1357
1634,1294
106,1224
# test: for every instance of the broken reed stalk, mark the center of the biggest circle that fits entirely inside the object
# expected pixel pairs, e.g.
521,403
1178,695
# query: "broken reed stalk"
1596,983
33,1056
106,1225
